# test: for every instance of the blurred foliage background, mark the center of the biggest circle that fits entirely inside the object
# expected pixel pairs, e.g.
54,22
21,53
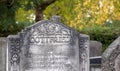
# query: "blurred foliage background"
98,18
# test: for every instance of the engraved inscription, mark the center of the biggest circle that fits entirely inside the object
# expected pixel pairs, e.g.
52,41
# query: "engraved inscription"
48,58
49,50
50,38
50,33
47,62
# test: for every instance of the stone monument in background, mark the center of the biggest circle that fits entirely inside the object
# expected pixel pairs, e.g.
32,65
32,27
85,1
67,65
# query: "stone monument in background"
48,45
3,46
95,48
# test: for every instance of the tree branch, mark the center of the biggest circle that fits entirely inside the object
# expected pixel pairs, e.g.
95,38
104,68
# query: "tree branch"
46,3
41,7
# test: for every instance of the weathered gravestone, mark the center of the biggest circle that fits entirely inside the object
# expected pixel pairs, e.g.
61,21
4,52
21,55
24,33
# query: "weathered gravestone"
48,46
111,57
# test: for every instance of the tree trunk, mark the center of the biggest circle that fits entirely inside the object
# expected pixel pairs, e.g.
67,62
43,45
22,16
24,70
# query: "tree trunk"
40,9
38,14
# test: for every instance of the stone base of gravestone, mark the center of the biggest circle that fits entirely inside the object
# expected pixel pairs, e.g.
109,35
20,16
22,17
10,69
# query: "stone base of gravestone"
111,57
95,48
3,46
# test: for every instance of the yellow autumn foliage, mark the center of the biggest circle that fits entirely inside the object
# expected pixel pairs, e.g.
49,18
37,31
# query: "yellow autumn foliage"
89,12
79,14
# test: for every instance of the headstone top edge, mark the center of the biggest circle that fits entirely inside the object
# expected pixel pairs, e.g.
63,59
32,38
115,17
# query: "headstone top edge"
56,19
13,36
37,23
95,41
53,20
84,35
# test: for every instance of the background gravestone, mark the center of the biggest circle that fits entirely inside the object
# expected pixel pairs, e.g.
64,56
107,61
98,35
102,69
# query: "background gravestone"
95,48
111,57
48,45
3,46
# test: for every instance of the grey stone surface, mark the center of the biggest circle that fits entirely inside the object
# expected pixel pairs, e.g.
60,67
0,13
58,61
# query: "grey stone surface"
111,57
84,41
3,46
48,45
95,48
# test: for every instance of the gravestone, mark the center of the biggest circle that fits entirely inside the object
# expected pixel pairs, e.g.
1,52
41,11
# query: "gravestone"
48,45
95,48
3,46
111,57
